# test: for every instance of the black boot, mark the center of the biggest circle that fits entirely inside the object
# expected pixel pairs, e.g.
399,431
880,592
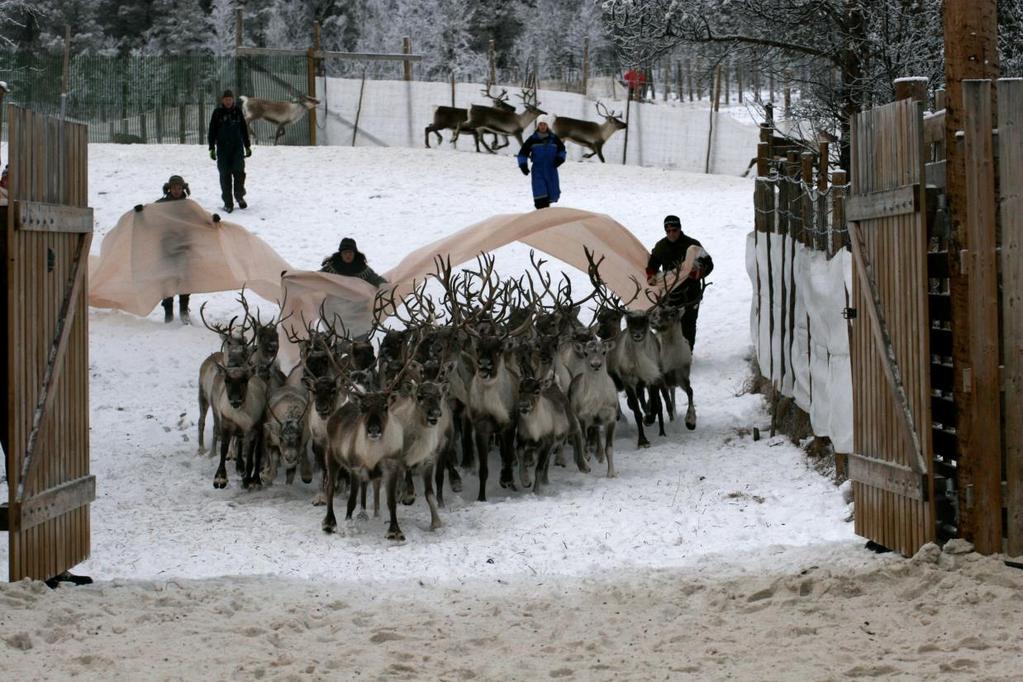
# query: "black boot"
168,310
184,309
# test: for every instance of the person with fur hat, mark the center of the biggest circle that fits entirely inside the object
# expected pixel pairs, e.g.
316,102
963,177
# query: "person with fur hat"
348,260
547,152
175,189
668,253
229,146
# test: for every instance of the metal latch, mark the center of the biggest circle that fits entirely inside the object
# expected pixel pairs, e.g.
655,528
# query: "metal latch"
849,313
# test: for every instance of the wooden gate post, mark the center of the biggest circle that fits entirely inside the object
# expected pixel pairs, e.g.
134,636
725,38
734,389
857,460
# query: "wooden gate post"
312,59
406,48
971,51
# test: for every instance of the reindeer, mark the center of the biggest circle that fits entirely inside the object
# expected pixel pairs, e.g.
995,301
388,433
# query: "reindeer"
493,120
676,358
281,114
365,439
286,435
239,404
593,398
589,134
456,119
234,352
544,423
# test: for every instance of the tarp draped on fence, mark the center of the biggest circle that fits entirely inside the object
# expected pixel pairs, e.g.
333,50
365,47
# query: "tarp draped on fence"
173,248
800,338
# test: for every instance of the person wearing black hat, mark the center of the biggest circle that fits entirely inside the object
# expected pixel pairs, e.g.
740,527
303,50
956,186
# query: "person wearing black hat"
175,189
229,146
668,253
351,262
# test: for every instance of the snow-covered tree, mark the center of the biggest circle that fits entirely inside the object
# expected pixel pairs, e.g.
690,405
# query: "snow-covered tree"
1010,37
553,34
222,26
179,27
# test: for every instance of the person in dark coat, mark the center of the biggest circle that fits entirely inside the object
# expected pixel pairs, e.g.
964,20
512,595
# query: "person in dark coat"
348,260
229,146
668,254
547,152
175,189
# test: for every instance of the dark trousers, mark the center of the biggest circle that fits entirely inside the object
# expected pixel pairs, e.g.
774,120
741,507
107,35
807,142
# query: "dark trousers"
688,294
542,202
168,303
689,324
232,178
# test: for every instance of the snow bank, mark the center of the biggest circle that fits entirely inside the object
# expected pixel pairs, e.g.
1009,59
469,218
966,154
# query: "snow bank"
669,135
801,340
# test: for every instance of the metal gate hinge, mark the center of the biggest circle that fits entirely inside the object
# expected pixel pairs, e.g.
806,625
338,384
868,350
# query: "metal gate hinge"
849,313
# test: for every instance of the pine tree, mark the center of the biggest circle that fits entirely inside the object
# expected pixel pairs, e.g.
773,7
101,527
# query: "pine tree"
222,26
179,27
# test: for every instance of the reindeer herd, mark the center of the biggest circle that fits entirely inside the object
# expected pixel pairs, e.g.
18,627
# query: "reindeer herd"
501,119
482,363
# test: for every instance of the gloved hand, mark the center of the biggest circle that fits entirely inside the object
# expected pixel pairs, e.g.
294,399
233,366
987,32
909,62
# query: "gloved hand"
558,162
138,208
216,217
213,154
695,273
248,152
525,171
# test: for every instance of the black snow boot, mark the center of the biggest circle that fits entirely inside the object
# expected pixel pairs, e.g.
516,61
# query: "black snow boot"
242,204
184,310
168,310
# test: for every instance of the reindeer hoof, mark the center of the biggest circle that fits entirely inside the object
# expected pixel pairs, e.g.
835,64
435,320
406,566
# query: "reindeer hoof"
362,516
611,473
691,425
219,483
643,443
508,483
456,485
319,500
396,535
649,419
329,526
408,500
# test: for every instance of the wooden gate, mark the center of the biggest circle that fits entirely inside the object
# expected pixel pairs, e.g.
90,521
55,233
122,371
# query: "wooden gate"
891,465
45,346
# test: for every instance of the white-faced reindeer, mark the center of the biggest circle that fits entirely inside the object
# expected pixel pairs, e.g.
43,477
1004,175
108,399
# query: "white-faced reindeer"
239,404
280,114
544,423
593,399
456,119
234,352
589,134
676,358
286,435
501,122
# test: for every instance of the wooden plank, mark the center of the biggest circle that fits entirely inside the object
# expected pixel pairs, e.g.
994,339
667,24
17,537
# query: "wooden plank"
934,128
883,204
53,502
55,360
1010,144
42,217
883,346
985,454
934,174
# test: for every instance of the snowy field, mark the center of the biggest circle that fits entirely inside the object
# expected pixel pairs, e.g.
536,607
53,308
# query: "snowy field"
710,556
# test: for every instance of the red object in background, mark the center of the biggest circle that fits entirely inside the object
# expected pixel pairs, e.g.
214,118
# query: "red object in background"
636,79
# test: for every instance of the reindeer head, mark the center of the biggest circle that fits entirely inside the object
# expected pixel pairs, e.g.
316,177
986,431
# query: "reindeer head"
664,316
236,383
325,391
614,118
374,411
637,323
609,323
530,391
289,438
430,398
267,340
593,352
490,351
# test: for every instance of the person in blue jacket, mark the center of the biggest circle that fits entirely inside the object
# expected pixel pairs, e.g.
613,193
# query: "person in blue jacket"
547,152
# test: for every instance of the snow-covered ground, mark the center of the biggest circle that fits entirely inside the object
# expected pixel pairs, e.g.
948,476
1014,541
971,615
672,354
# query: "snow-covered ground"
688,536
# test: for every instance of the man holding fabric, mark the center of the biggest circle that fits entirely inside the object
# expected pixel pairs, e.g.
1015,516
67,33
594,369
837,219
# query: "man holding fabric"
669,253
229,146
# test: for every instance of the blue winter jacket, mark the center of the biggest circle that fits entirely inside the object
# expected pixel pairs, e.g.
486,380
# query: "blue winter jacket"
547,153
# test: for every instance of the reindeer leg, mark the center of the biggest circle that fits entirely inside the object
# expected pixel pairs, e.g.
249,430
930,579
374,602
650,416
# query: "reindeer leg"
633,403
203,406
691,411
305,469
507,446
608,447
353,499
220,478
482,433
408,493
542,458
279,135
329,521
393,531
376,497
524,472
431,499
438,474
321,496
428,131
599,151
655,399
580,451
466,429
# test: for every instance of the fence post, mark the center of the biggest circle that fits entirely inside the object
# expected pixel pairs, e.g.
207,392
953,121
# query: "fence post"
788,94
689,79
142,127
310,65
406,48
809,231
202,117
239,26
625,143
159,119
839,240
667,78
738,81
182,120
728,84
586,65
770,85
911,88
821,241
452,89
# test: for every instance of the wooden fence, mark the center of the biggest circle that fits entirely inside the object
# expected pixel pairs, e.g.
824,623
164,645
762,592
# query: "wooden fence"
45,431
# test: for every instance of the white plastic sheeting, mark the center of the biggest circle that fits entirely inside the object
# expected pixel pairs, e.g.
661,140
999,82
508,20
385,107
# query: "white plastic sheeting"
668,135
800,338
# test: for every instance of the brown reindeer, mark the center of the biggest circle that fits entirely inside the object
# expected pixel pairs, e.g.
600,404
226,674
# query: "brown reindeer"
280,114
589,134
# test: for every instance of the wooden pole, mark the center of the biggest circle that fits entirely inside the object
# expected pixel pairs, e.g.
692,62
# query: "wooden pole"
728,84
822,235
667,79
788,95
911,88
358,110
971,52
1010,164
689,79
311,63
182,122
625,143
586,65
738,81
713,114
838,235
770,86
491,62
452,89
239,26
406,48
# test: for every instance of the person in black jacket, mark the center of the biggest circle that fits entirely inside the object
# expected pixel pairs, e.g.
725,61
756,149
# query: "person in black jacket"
348,260
229,147
668,253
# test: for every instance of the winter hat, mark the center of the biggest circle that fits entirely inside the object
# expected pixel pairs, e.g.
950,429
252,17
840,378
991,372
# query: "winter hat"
672,221
227,93
545,118
176,180
347,244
